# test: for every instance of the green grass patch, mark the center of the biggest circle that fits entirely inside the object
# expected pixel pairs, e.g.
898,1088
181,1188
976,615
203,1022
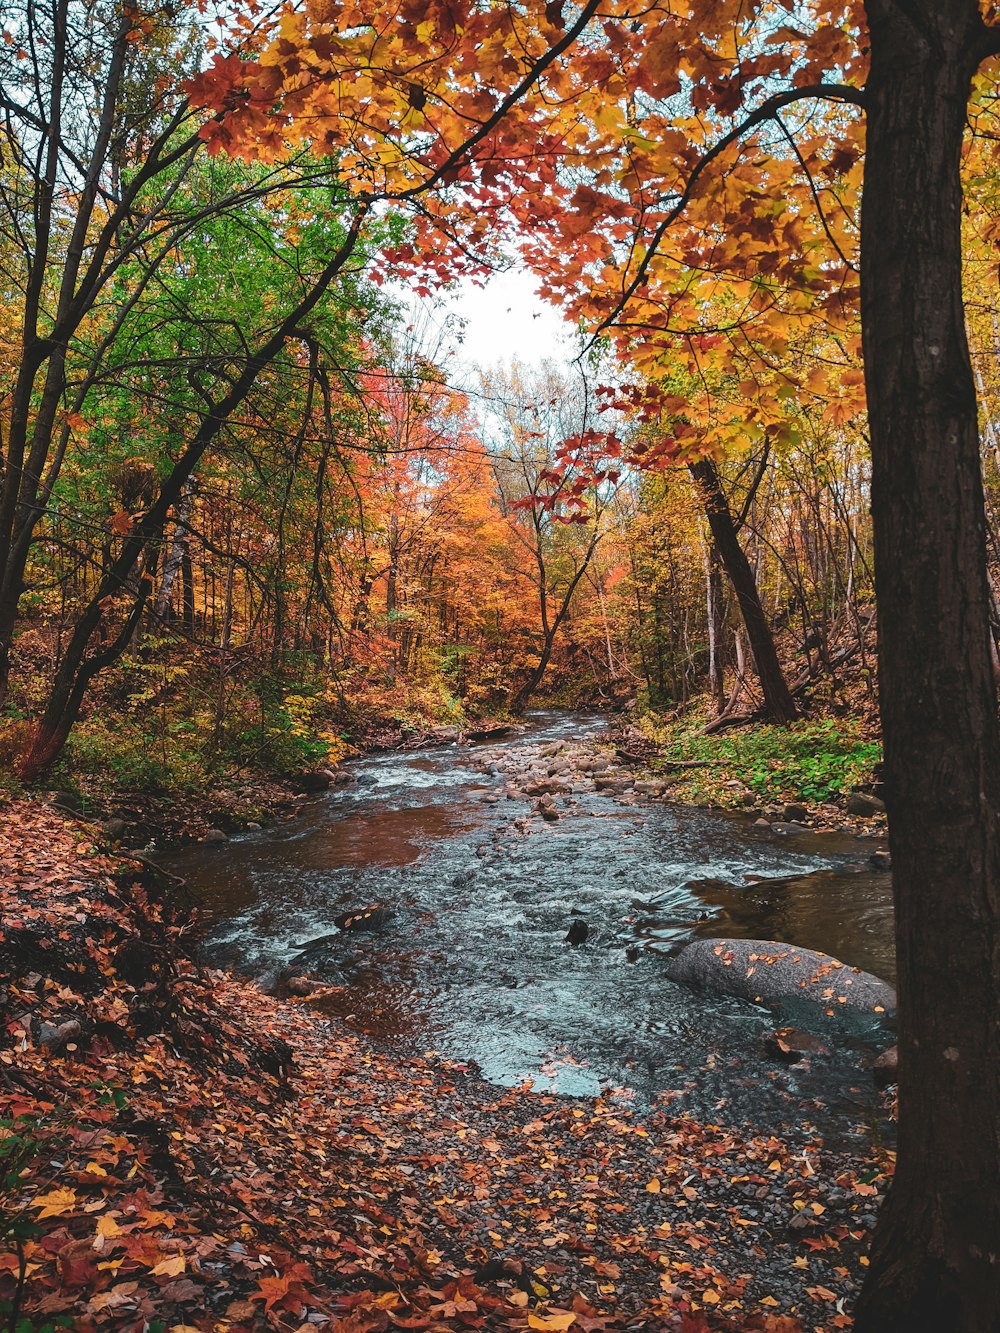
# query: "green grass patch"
812,761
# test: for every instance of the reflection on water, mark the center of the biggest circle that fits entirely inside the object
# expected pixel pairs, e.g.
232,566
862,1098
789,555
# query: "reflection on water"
474,962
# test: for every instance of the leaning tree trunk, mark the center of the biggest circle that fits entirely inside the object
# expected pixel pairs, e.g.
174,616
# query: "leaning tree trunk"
935,1263
778,703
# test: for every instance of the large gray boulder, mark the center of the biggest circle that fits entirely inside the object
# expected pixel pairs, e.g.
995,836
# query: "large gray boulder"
767,972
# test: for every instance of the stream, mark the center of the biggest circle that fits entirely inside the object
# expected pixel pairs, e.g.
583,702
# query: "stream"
474,963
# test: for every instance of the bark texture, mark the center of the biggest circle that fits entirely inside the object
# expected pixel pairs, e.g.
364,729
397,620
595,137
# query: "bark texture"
935,1263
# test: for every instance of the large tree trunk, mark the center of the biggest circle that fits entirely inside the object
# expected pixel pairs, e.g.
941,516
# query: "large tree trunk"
935,1264
778,702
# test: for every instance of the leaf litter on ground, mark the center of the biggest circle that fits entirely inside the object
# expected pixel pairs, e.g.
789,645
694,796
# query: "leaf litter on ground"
180,1151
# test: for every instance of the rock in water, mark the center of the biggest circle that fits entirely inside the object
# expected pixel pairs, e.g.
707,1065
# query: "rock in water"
577,933
791,1045
766,971
365,918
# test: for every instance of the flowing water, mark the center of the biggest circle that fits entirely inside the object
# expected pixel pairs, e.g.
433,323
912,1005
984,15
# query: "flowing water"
474,961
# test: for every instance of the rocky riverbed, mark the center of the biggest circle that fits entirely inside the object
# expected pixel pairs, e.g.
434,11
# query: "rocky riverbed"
530,890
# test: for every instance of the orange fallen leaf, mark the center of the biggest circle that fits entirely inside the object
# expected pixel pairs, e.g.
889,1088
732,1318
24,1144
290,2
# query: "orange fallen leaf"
552,1321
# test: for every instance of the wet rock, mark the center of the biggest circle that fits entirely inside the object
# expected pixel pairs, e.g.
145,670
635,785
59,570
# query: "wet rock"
795,814
860,804
313,779
546,787
448,735
790,1045
271,981
115,829
254,827
301,985
546,807
490,733
786,830
886,1067
577,933
767,971
762,823
214,835
370,919
880,861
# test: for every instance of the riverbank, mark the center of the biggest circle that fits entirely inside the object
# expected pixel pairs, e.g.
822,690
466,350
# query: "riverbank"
818,774
195,1152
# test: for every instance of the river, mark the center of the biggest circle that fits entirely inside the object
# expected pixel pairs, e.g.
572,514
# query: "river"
474,962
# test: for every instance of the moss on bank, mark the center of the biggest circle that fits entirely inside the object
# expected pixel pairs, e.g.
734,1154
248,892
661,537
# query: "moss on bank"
813,761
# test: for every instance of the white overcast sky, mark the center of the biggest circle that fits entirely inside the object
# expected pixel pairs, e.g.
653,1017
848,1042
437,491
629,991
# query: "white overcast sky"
503,320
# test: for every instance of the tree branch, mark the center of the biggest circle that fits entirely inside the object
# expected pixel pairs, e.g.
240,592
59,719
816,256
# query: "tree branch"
832,92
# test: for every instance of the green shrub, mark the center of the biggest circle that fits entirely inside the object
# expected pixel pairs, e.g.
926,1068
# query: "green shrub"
810,760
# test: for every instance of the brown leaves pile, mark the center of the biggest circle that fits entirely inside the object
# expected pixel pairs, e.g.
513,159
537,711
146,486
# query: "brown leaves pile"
209,1158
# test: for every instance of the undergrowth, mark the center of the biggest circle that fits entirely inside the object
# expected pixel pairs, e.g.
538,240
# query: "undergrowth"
814,761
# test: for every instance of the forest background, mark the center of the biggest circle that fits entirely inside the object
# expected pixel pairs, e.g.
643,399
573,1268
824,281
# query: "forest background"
362,546
244,515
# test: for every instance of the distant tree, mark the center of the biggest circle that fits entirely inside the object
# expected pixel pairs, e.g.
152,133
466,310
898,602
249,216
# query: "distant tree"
558,514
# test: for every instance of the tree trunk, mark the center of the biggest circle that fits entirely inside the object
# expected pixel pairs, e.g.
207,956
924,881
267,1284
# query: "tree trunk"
715,615
175,556
522,696
778,702
935,1263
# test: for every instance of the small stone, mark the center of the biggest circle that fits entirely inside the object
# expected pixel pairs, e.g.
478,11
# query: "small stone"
762,823
115,829
792,1045
214,835
880,861
795,814
865,806
56,1036
886,1067
577,933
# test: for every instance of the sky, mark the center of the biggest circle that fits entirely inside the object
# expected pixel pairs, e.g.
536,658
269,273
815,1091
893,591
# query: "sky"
503,320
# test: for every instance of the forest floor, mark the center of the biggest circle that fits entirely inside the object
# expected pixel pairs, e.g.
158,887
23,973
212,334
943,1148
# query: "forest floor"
180,1152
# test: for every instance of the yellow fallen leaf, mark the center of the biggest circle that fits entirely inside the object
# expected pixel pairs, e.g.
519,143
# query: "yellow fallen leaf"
710,1297
172,1267
55,1203
768,1300
518,1298
551,1321
653,1186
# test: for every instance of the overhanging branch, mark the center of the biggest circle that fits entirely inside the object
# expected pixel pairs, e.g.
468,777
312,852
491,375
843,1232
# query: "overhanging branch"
768,110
